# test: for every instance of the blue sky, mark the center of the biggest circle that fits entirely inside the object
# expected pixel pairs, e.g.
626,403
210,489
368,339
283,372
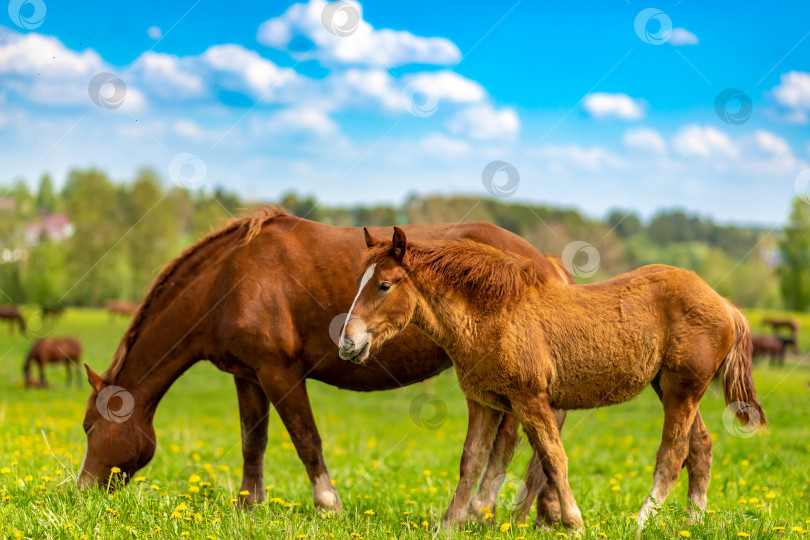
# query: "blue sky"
263,99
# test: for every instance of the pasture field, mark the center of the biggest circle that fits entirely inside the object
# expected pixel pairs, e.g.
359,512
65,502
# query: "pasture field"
395,467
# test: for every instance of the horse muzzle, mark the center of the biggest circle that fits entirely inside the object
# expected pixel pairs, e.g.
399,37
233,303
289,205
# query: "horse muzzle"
357,353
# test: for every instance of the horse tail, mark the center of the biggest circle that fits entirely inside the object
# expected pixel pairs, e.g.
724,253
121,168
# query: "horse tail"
738,384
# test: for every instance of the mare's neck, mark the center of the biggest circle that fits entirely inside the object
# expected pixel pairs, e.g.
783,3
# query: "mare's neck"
160,354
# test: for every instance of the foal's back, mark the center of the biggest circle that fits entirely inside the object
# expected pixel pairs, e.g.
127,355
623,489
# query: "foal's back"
607,341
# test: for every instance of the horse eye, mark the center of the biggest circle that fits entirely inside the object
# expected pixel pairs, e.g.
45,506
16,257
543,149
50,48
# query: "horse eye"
87,427
385,285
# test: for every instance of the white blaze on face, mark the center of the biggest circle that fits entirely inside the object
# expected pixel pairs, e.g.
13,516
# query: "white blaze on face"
366,277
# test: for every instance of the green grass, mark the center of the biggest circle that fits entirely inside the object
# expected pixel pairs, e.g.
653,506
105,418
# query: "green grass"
395,478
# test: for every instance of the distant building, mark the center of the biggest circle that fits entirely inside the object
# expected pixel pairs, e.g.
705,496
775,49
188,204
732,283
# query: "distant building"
54,227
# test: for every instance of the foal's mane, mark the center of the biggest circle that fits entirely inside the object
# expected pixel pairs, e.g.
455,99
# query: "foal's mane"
485,275
249,226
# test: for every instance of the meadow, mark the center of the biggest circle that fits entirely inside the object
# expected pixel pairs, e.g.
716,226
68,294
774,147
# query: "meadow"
395,466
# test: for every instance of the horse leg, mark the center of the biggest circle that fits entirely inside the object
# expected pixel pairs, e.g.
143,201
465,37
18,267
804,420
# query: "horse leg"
699,465
699,460
41,365
506,440
481,430
538,420
680,407
254,411
68,372
538,487
288,393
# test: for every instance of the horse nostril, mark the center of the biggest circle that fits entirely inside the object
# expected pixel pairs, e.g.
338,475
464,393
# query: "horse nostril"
348,344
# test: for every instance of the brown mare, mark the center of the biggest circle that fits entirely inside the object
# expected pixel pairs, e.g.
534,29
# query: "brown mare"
257,298
792,328
125,308
771,347
524,344
53,351
12,315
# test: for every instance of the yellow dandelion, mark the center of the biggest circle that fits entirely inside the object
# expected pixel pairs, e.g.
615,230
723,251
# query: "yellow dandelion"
743,534
115,470
505,526
770,495
194,478
244,493
685,534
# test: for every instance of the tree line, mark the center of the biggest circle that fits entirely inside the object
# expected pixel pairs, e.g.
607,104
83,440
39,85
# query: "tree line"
123,232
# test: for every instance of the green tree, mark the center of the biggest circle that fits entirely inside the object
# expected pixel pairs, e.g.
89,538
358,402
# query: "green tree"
93,254
152,225
46,198
794,269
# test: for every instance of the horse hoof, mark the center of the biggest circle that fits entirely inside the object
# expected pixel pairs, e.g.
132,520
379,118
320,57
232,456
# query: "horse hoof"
328,502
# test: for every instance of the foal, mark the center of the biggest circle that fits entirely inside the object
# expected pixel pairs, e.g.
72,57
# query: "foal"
526,345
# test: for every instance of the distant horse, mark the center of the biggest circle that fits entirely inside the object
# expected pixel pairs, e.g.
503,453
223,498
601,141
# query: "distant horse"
792,328
125,308
524,344
53,311
13,315
53,351
258,298
770,347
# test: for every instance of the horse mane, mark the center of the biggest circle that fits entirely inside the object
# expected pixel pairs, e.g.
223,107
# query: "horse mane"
250,226
485,275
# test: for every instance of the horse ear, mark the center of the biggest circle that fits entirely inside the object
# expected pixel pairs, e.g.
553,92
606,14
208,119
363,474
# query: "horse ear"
400,243
371,240
95,379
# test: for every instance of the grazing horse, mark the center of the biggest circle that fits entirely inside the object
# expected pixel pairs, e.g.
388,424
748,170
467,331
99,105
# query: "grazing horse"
125,308
524,344
52,351
257,299
54,311
792,328
13,315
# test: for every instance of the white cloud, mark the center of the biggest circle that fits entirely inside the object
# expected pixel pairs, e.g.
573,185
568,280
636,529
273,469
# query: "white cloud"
682,36
573,156
262,76
188,129
444,147
447,86
793,93
303,120
703,141
484,122
604,105
645,139
365,46
169,76
154,32
773,143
